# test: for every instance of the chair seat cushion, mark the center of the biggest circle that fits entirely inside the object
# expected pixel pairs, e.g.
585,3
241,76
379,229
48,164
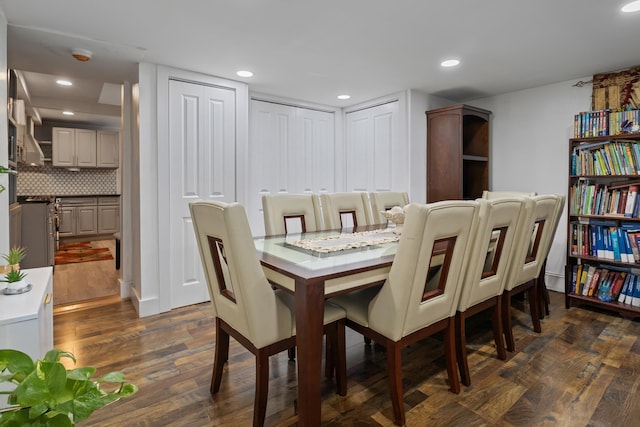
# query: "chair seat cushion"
356,304
332,312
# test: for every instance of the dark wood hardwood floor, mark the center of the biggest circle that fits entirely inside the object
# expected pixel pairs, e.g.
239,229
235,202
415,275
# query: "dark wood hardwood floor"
583,370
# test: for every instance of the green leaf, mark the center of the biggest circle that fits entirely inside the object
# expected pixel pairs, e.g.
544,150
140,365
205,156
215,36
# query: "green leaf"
16,362
112,377
128,390
81,374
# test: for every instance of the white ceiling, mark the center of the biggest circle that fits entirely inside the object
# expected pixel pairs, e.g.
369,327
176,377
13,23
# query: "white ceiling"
314,51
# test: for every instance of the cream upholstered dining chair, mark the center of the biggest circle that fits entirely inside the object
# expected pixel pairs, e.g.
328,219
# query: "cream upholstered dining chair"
247,308
493,249
486,194
345,210
291,213
414,303
385,200
543,292
528,261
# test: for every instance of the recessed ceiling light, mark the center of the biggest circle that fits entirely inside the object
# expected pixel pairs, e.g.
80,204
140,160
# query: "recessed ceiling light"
344,96
63,82
634,6
245,73
68,113
450,63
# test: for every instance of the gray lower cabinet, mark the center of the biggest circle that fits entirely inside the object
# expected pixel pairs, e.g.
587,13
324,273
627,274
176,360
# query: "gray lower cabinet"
86,216
15,225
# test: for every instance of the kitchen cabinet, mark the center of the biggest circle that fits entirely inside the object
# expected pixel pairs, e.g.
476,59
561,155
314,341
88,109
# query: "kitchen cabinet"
26,320
85,216
108,215
78,216
74,148
107,149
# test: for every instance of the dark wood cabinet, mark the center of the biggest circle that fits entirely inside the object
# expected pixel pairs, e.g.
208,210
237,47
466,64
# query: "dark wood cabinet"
457,152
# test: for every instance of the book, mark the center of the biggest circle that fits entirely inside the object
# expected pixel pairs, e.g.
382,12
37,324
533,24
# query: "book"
604,290
616,287
594,280
635,300
629,295
590,273
593,288
625,287
615,244
631,235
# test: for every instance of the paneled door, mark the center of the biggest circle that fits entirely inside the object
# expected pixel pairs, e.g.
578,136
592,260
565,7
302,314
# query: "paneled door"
202,167
376,158
291,150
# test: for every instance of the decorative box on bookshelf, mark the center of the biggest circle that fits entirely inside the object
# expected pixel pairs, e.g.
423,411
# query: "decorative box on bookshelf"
603,232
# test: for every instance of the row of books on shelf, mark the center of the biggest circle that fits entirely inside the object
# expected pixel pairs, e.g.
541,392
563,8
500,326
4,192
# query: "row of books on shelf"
606,283
605,122
606,240
615,157
591,198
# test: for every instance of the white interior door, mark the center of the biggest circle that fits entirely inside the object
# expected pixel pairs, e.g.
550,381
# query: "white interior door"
376,158
291,150
202,167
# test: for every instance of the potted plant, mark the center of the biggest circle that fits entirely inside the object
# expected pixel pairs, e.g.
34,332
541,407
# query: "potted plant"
47,394
15,279
13,258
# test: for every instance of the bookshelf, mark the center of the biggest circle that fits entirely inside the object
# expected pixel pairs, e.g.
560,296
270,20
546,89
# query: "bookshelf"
457,152
603,232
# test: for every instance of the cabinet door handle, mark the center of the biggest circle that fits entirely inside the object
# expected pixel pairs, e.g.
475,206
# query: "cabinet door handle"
47,299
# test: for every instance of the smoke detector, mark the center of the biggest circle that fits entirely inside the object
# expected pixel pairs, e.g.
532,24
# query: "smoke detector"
81,55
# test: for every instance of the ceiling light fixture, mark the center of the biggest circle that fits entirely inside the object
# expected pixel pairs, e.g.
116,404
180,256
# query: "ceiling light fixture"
634,6
82,55
450,63
344,96
62,82
245,73
68,113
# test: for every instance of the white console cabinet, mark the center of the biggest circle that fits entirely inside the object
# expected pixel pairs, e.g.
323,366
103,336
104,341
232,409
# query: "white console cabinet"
26,320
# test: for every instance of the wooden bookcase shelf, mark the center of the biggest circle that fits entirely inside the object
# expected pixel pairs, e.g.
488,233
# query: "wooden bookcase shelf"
457,152
599,184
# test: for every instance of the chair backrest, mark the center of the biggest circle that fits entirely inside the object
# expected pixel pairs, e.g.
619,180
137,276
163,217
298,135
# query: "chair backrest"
385,200
238,287
435,237
291,213
498,194
493,248
345,210
557,215
535,241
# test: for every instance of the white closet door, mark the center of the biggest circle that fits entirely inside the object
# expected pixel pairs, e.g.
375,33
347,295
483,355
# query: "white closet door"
202,153
375,158
291,150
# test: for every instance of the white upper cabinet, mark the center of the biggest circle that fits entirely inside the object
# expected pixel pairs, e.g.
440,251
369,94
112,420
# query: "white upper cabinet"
107,149
85,148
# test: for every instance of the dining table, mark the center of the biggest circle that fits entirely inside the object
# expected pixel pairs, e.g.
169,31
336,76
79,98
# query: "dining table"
315,266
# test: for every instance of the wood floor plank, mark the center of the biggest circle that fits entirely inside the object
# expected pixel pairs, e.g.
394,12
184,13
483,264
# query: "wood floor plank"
582,370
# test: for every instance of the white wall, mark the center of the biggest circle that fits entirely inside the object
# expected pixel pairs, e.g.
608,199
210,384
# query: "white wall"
530,148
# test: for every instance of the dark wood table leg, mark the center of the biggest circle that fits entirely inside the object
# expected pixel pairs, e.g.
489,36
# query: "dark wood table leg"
309,326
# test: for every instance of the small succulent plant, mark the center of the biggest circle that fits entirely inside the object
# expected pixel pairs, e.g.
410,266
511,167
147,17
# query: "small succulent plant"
14,276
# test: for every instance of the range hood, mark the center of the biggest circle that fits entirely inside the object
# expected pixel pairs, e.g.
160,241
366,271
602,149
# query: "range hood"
33,155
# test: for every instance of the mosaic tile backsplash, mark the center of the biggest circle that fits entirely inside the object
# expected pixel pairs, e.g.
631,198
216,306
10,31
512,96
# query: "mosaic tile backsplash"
49,181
